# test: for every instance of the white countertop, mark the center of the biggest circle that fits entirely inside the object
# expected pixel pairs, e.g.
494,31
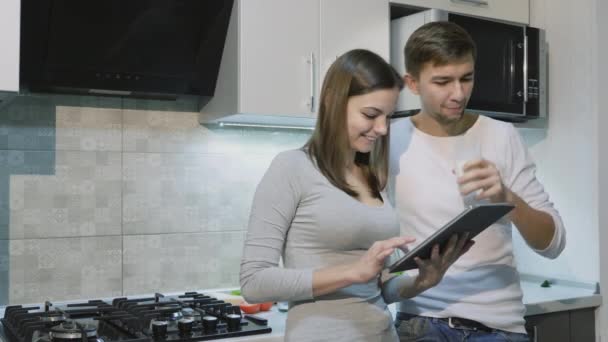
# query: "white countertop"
560,296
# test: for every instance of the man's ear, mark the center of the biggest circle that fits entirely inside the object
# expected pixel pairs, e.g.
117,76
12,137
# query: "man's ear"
412,83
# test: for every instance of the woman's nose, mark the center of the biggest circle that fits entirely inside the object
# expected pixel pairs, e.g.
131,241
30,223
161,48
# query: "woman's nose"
380,125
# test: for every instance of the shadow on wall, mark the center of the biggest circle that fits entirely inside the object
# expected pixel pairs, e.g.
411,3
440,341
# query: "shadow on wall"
27,147
533,136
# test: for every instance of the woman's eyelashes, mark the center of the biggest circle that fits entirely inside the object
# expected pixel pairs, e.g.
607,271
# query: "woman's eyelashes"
371,114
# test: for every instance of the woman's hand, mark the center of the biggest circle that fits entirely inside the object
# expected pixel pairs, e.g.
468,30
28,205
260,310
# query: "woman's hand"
369,266
372,262
431,271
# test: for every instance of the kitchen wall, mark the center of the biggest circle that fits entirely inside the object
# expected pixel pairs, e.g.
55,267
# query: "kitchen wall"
104,197
566,152
601,89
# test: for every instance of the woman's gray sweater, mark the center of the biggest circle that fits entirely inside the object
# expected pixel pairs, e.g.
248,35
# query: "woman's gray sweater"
299,215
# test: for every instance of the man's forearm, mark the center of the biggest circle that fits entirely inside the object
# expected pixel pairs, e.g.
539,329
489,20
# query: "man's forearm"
536,227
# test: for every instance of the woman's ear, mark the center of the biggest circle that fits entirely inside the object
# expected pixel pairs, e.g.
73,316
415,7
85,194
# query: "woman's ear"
412,83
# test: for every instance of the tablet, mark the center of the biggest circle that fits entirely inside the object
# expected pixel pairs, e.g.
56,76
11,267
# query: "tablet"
473,220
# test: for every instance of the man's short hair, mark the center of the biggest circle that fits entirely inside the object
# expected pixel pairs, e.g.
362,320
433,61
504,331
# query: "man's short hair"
438,42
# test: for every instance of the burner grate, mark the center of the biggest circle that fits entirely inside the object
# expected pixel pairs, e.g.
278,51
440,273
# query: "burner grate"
189,317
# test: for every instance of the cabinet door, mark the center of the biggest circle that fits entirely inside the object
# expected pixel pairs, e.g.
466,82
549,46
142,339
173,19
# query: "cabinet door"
401,30
277,40
352,24
9,41
582,325
512,10
551,327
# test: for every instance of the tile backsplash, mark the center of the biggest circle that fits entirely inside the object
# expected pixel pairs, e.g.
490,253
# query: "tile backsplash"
104,197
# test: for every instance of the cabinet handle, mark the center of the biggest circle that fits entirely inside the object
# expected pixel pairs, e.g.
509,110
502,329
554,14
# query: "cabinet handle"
535,334
311,63
525,67
472,2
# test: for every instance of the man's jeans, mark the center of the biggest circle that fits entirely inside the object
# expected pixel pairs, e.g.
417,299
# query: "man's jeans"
428,329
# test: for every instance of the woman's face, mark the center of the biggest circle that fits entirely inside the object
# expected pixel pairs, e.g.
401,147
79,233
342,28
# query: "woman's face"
367,117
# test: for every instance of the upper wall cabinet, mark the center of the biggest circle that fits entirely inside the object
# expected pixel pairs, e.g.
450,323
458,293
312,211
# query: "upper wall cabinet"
511,10
277,52
9,43
351,24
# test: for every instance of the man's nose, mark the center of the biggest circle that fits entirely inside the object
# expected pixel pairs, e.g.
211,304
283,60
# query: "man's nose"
458,91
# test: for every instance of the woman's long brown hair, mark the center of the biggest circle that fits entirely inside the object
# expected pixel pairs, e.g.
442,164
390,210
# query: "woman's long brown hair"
356,72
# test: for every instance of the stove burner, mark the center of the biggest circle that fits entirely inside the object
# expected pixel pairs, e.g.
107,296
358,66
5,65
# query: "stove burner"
51,317
169,311
167,306
71,330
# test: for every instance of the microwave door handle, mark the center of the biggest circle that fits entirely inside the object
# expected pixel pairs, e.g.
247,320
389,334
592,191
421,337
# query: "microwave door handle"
511,67
513,70
525,67
472,2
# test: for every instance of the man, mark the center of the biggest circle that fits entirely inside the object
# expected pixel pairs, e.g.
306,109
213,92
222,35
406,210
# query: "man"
479,298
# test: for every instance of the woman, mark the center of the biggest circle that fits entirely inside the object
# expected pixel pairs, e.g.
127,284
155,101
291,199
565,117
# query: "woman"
322,209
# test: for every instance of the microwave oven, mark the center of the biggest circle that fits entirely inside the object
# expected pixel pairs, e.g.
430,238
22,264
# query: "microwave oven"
510,69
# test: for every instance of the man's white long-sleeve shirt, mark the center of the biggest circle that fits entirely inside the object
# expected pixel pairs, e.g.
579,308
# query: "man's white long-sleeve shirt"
483,285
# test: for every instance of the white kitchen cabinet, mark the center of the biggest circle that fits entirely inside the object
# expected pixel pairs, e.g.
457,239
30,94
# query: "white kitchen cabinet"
350,24
9,43
277,40
277,53
509,10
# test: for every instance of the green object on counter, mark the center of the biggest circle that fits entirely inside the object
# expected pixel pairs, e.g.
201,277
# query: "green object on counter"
546,283
235,292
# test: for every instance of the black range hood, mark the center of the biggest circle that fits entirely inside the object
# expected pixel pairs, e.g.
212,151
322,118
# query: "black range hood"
139,48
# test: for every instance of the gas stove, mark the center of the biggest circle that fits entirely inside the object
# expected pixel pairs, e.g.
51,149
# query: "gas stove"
191,316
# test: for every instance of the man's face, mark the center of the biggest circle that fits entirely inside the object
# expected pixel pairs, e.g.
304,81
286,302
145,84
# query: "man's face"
444,90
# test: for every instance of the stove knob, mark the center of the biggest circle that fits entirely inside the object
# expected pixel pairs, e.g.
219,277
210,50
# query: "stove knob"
159,328
212,310
236,310
184,325
234,322
209,323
